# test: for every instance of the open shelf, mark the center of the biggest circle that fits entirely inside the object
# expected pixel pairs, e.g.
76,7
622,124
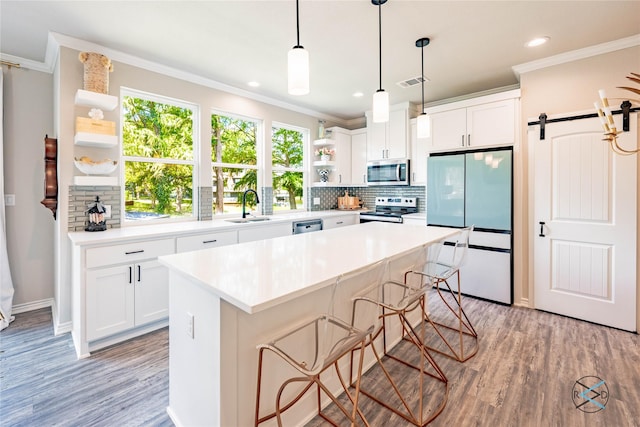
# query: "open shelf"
324,163
105,181
97,100
95,140
323,142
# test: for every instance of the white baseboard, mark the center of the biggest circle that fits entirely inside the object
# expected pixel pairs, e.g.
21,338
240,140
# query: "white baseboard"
30,306
59,328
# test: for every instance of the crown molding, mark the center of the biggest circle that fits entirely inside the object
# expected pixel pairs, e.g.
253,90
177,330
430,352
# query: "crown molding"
575,55
56,40
27,64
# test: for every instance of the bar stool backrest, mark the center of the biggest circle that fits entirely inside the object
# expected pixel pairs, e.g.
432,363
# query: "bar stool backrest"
335,339
442,264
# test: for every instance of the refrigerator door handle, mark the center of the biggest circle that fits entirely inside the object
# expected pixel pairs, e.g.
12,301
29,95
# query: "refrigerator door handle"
541,229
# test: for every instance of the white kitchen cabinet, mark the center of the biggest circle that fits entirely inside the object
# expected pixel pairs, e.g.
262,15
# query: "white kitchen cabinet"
124,297
419,154
359,156
388,140
340,163
205,241
110,301
482,125
264,232
340,221
119,291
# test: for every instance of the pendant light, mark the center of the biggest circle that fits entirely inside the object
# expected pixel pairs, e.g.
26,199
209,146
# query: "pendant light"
423,121
381,97
298,65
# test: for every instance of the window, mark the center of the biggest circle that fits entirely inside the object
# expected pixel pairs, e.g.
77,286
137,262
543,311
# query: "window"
235,162
287,159
158,155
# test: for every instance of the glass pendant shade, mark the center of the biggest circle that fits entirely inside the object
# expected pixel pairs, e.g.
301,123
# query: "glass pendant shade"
298,71
423,125
381,106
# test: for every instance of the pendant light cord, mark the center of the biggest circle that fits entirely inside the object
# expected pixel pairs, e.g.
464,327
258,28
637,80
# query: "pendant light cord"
297,25
422,50
379,41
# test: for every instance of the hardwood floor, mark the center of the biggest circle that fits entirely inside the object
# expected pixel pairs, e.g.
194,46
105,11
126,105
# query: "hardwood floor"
43,384
525,371
523,375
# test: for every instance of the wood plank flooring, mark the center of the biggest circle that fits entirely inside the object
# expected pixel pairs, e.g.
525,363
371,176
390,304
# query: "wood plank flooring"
523,375
525,370
43,384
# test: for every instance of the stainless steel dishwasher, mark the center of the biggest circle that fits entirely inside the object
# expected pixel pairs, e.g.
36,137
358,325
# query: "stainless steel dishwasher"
307,226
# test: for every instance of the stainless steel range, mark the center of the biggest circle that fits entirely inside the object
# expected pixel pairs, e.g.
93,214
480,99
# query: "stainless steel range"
391,209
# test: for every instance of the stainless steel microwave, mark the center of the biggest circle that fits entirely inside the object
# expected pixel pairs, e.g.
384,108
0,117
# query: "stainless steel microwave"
388,172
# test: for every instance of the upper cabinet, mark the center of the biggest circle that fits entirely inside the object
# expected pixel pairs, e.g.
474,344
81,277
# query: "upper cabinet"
359,156
388,140
480,122
419,153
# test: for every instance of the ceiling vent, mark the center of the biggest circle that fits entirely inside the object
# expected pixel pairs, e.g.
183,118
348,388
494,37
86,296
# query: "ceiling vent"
411,82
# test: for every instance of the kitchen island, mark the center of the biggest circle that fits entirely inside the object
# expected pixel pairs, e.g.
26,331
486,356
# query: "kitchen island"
225,301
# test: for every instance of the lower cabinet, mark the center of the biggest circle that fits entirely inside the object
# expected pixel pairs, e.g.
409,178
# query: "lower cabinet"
119,291
264,232
124,297
340,221
206,241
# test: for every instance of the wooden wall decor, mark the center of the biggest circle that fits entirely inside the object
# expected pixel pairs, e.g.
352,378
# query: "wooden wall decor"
50,200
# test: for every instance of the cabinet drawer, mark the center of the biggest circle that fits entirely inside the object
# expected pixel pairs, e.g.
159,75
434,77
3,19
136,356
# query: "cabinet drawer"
129,252
205,241
338,221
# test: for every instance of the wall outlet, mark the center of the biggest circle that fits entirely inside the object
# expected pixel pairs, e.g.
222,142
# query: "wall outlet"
190,321
9,199
107,211
316,200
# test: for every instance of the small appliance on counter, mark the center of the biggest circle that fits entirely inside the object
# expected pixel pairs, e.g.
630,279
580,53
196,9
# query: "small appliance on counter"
391,209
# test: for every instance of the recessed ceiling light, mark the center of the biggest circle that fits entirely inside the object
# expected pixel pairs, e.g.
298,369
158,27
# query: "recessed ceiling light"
253,84
537,41
358,94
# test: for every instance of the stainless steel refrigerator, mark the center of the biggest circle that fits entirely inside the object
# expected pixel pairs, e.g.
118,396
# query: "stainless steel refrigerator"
475,187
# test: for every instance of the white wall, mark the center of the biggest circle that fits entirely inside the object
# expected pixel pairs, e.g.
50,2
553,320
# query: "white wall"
28,116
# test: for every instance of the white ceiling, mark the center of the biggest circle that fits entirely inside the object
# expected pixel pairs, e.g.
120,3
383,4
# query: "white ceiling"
473,46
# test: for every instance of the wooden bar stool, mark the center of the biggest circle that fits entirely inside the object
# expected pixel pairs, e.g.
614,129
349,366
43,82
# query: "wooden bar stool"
331,338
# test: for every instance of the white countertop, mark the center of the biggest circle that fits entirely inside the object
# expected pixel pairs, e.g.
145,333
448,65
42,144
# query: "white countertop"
257,275
114,235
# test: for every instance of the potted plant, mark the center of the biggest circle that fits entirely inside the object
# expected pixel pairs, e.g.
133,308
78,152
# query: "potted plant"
325,153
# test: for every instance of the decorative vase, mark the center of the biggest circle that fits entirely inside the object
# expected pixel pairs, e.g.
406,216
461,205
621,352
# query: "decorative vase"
325,157
324,175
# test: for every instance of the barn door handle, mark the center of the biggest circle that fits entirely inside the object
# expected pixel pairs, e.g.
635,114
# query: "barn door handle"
541,229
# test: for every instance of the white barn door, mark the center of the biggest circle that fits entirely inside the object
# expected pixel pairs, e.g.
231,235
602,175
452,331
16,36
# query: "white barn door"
585,252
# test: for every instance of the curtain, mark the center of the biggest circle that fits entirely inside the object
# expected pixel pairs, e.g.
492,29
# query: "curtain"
6,284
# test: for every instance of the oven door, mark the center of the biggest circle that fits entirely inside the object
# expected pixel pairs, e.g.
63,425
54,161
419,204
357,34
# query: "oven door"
384,218
388,172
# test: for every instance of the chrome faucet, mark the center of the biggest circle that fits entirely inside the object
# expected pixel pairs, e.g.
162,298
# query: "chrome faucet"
244,200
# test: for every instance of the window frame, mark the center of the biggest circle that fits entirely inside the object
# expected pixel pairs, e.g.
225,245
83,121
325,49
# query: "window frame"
194,162
260,157
303,168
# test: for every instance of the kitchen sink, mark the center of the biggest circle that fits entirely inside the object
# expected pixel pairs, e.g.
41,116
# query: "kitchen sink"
249,219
